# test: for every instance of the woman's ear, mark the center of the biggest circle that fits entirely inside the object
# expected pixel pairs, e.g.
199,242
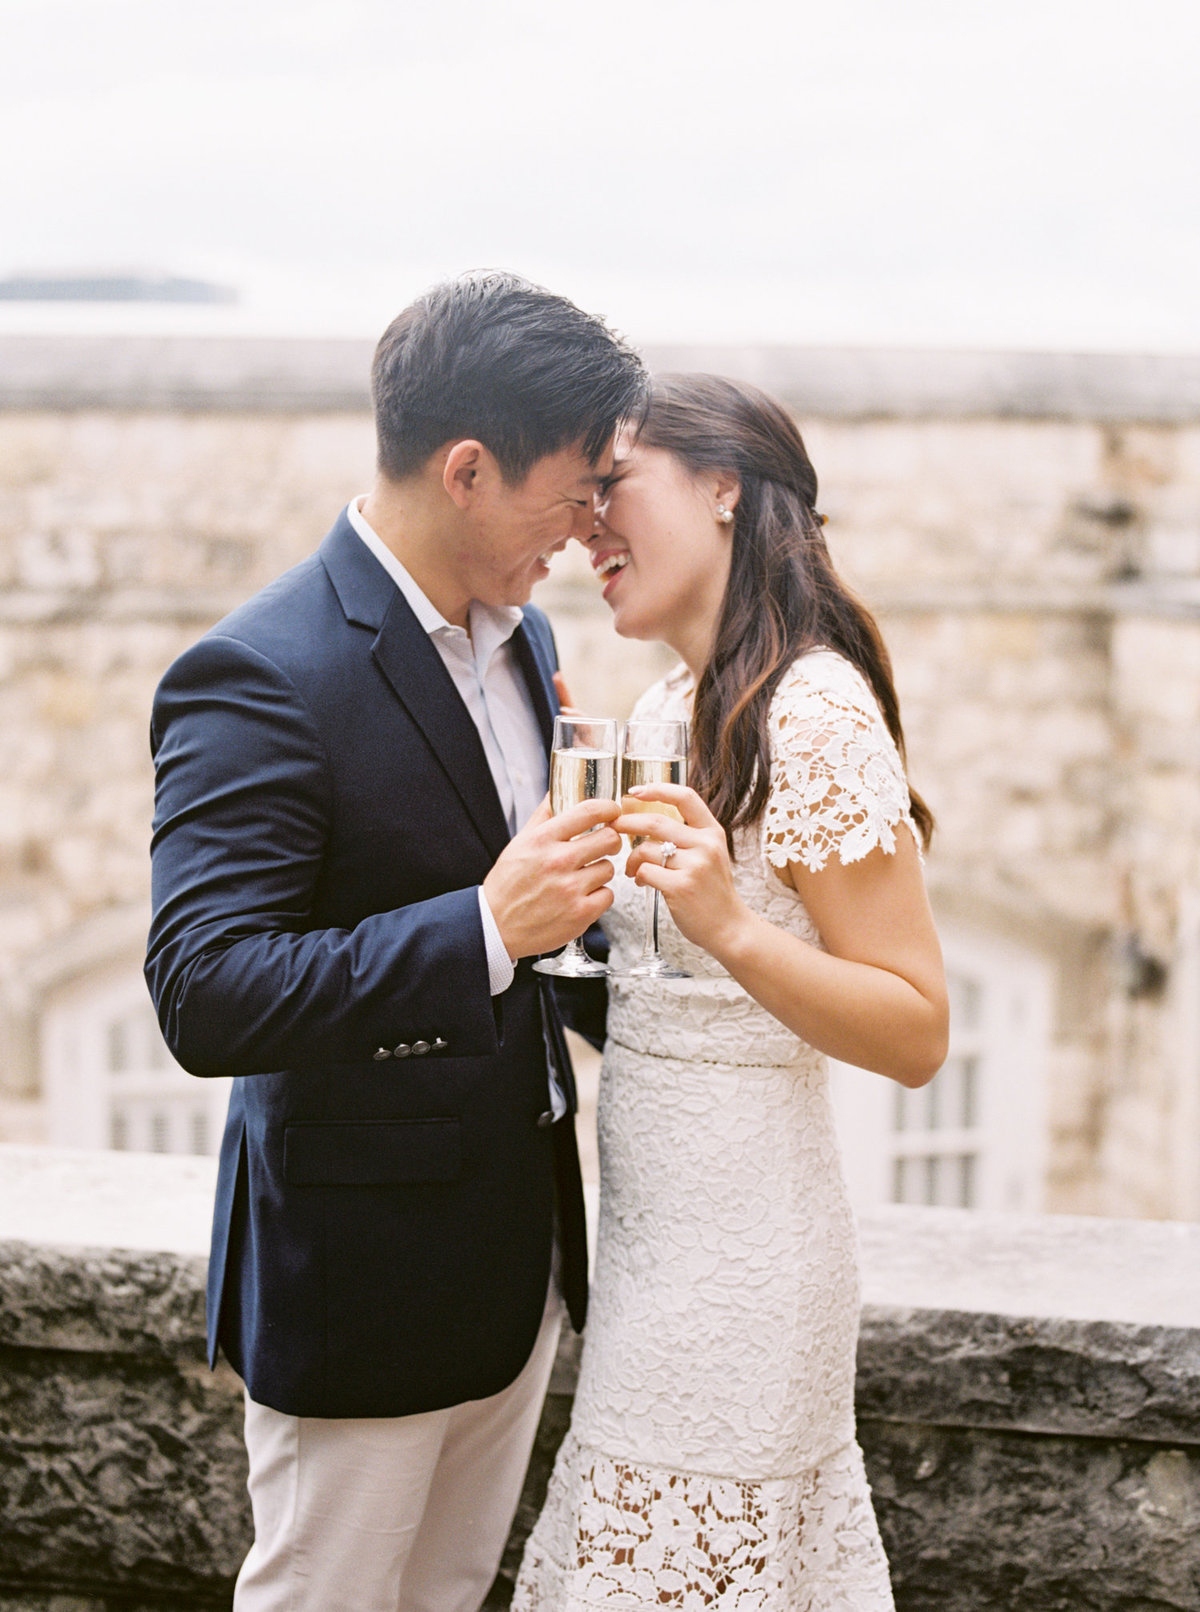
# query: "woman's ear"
727,489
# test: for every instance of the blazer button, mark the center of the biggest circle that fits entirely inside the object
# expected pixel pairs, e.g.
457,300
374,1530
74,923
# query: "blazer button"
402,1051
420,1048
380,1054
545,1120
439,1045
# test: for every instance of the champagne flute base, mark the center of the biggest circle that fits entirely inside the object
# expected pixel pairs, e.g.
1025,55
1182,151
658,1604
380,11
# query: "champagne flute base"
580,967
650,968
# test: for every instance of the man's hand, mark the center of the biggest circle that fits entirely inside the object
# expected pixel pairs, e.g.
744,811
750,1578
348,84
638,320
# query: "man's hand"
552,880
567,706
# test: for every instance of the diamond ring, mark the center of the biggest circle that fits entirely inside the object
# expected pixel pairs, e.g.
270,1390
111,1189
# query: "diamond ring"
668,851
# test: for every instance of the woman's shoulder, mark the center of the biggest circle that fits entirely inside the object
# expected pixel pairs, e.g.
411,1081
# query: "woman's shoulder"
837,780
821,677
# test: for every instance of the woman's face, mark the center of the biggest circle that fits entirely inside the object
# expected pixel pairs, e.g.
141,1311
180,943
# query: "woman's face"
659,550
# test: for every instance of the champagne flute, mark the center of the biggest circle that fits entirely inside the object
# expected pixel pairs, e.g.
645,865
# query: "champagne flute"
583,766
653,751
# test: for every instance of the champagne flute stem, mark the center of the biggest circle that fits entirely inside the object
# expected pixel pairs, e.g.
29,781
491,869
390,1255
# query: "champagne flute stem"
650,940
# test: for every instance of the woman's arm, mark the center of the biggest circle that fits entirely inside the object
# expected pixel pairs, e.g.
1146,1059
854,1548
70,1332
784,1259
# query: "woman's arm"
876,997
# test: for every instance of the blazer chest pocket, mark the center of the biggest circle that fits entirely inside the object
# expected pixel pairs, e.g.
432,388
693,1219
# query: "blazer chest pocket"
358,1154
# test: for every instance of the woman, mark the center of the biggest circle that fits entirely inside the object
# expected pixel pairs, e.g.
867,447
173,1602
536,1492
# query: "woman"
711,1460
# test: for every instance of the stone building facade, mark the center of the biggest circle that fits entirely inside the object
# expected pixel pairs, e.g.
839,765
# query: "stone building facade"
1027,528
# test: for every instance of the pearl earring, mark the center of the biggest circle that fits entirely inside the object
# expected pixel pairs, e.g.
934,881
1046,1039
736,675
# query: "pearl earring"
725,516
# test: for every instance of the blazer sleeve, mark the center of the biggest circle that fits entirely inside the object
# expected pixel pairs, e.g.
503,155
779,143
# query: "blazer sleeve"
242,982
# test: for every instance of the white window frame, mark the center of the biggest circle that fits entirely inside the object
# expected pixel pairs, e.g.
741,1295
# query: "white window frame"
1010,1043
149,1105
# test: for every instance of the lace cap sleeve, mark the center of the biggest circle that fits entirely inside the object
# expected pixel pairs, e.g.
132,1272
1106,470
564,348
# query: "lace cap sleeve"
837,781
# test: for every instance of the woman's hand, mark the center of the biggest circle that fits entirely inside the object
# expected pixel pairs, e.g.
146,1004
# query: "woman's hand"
697,883
872,994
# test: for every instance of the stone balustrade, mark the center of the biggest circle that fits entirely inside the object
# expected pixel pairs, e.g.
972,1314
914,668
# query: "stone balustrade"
284,374
1028,1395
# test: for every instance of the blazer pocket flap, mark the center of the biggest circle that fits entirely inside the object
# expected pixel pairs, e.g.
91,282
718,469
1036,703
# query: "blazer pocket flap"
359,1154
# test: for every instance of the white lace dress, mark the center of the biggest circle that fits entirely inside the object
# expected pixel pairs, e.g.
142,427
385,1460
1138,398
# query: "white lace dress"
711,1460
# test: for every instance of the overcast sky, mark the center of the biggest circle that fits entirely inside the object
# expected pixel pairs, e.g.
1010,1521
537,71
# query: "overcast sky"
902,171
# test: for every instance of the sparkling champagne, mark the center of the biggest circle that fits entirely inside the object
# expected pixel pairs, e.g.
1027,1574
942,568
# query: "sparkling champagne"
577,775
637,770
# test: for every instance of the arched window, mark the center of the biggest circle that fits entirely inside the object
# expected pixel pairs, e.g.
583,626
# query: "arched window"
974,1138
109,1080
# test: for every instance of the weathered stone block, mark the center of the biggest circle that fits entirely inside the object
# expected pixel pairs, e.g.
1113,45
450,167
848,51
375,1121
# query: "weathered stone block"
120,1472
1027,1392
977,1522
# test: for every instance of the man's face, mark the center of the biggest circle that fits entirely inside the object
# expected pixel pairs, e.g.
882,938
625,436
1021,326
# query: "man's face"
511,532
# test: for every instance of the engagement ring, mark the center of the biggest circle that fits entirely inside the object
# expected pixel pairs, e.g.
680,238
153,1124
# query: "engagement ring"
668,851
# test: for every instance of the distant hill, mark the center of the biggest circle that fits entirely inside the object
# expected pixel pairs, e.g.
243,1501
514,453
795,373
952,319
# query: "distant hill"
111,288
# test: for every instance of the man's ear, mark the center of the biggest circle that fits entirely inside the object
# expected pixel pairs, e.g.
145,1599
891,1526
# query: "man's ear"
466,465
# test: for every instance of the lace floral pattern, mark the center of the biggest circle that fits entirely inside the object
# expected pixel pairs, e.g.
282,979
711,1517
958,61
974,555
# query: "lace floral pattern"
648,1537
711,1460
837,782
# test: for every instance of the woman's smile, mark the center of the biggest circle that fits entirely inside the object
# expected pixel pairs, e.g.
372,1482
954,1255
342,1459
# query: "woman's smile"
608,562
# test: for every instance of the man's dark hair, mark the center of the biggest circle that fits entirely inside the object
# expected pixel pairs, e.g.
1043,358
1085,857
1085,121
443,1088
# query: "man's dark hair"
492,357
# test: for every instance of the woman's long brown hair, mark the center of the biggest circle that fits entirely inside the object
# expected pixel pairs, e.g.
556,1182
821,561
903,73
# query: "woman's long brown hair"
783,595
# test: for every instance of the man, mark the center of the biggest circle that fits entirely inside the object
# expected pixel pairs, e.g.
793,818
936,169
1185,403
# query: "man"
345,909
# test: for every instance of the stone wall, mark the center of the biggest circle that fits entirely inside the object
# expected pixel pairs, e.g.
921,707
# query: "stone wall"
1028,527
1039,585
1027,1398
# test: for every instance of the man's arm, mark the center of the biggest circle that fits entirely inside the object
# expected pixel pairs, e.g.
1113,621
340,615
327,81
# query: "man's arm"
242,982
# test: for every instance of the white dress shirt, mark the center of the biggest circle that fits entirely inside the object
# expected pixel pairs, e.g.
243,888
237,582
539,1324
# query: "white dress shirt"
490,684
485,673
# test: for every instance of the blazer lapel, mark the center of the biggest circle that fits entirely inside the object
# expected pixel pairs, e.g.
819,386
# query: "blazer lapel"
538,669
406,657
537,673
419,677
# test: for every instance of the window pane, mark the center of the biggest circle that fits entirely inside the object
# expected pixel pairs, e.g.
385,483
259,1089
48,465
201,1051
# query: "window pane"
118,1046
160,1133
966,1002
933,1177
157,1056
945,1173
118,1133
969,1093
966,1186
908,1180
932,1095
944,1181
911,1111
899,1111
199,1128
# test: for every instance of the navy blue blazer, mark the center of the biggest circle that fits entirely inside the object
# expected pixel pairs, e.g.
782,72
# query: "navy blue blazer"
324,814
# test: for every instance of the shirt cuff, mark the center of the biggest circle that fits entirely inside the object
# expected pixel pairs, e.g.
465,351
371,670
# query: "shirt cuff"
501,967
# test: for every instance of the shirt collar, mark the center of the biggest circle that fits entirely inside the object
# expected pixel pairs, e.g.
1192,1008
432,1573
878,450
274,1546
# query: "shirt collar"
491,625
